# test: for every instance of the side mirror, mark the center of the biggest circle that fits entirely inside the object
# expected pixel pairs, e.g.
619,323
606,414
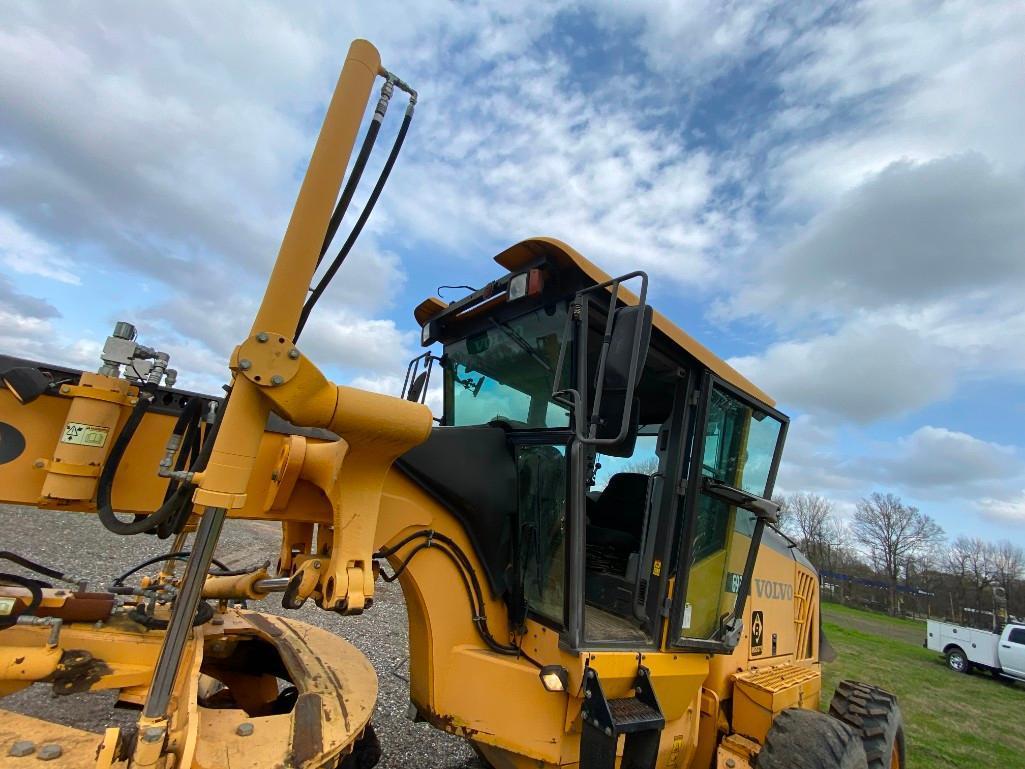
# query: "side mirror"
418,376
624,362
416,389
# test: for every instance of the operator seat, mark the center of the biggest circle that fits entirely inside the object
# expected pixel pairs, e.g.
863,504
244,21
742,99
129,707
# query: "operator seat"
616,519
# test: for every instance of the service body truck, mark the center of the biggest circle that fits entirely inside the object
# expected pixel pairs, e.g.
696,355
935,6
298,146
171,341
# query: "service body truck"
966,648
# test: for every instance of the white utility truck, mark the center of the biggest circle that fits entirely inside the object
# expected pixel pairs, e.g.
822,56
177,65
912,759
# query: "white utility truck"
966,648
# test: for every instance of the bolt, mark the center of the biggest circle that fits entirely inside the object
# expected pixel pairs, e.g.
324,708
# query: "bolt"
244,730
65,389
153,734
588,694
293,353
262,337
730,763
637,691
316,564
245,364
608,732
22,748
39,463
49,751
277,379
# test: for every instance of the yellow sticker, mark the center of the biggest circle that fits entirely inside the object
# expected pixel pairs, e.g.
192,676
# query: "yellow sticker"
85,435
656,568
6,606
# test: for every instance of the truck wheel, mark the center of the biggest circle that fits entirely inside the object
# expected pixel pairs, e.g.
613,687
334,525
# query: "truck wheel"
366,751
875,716
808,739
957,660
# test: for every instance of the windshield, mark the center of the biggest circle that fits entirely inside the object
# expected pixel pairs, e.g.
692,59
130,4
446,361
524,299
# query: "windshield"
506,372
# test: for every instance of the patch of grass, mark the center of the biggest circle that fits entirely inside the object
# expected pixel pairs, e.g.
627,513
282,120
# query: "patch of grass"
950,720
839,610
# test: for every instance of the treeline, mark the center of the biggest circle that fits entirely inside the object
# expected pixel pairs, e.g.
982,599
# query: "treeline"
895,557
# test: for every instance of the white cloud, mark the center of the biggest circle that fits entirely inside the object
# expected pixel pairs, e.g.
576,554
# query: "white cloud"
911,235
863,372
26,254
1007,510
933,460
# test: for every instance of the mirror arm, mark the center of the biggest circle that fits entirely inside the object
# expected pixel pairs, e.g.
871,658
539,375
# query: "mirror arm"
764,509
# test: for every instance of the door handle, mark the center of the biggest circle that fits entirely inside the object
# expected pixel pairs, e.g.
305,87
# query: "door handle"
1006,646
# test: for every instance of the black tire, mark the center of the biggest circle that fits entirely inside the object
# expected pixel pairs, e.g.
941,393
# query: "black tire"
808,739
957,660
366,751
875,717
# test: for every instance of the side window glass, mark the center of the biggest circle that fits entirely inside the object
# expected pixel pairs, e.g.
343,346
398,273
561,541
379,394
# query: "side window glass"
1017,636
541,474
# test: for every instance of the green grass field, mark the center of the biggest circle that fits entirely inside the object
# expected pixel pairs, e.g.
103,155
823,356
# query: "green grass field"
951,720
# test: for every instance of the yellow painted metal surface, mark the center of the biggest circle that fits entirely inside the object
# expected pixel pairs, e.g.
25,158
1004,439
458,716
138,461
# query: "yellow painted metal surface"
238,443
78,749
759,695
86,438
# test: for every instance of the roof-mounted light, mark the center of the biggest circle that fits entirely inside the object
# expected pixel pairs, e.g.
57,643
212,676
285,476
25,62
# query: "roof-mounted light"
527,283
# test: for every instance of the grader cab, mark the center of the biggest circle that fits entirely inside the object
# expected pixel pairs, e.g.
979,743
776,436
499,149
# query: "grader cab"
585,540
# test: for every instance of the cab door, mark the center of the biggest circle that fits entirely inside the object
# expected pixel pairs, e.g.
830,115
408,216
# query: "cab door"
734,456
1012,651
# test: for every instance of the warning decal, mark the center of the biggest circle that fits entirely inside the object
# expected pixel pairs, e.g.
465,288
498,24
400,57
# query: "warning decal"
757,631
85,435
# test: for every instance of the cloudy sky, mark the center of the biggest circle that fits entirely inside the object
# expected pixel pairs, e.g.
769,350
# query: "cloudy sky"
833,197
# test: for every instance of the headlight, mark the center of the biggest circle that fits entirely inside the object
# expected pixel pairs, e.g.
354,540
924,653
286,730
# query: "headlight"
517,286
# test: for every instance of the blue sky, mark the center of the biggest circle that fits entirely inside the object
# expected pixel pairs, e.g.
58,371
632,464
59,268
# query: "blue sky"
831,196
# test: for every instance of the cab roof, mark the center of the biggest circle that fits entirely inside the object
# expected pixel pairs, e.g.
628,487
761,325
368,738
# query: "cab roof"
565,257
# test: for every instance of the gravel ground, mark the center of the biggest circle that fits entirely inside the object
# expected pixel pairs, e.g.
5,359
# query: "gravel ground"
78,543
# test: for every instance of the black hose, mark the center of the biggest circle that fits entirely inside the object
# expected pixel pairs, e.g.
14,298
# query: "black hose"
181,555
357,228
204,613
104,508
33,586
451,548
38,568
350,185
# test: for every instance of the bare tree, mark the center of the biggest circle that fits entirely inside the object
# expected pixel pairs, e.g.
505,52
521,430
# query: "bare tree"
891,533
810,519
1008,566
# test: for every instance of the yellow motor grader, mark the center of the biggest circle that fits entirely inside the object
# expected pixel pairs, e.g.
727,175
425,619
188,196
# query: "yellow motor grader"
585,541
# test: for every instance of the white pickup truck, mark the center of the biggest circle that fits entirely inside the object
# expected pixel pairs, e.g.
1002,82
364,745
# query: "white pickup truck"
966,648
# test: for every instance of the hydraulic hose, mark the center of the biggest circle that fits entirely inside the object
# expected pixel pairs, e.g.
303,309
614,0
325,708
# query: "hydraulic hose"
181,555
357,228
34,587
451,548
182,495
350,186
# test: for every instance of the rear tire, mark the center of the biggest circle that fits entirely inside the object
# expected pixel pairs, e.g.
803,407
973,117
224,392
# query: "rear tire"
808,739
957,660
875,717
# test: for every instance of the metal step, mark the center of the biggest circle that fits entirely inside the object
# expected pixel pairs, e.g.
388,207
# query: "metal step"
631,715
639,718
